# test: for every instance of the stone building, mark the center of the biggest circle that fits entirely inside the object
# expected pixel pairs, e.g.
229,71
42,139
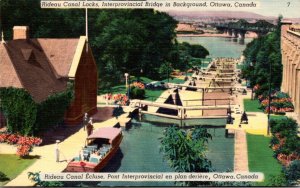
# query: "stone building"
44,66
290,50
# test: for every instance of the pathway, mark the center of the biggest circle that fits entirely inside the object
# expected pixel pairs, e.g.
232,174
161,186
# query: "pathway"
191,98
161,99
69,148
240,151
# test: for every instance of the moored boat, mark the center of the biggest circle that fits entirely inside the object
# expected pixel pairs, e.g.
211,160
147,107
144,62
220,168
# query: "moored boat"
101,146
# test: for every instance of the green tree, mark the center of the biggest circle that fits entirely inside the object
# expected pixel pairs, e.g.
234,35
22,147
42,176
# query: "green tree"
130,40
187,53
165,70
121,40
185,150
260,53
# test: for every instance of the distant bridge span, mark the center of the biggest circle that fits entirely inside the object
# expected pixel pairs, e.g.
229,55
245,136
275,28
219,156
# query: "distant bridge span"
240,28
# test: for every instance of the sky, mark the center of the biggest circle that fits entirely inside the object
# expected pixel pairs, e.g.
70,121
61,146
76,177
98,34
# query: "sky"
288,8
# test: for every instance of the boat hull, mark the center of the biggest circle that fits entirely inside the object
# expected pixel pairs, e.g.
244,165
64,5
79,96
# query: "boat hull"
82,166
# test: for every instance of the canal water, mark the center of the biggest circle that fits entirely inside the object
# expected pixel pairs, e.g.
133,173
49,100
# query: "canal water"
140,148
218,46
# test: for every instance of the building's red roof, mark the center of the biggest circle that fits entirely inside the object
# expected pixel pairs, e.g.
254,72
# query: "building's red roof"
40,66
8,75
60,53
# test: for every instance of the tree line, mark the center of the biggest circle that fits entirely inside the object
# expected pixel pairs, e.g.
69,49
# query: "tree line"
263,61
139,42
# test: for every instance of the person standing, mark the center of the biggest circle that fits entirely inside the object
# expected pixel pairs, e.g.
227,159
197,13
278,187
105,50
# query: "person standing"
85,120
90,127
57,151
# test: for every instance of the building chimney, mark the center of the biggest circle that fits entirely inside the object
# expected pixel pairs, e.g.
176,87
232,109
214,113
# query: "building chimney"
21,32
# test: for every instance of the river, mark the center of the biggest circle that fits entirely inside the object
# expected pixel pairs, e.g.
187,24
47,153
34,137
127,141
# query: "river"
218,46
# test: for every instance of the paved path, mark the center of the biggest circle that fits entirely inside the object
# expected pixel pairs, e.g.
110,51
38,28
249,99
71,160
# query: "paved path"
240,151
7,149
240,138
191,98
161,99
69,148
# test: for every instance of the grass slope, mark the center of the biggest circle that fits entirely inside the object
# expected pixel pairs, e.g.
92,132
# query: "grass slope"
152,95
12,165
252,105
260,157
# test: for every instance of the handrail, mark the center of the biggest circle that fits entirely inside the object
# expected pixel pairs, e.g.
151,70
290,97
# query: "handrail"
176,107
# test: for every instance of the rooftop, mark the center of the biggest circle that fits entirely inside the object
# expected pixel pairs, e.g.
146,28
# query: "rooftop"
40,66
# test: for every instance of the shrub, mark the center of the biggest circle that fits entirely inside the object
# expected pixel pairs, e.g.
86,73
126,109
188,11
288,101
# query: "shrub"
292,172
277,180
23,150
137,90
120,99
286,159
27,117
12,139
25,144
19,109
280,113
284,126
280,103
3,177
285,141
139,85
137,93
3,137
51,111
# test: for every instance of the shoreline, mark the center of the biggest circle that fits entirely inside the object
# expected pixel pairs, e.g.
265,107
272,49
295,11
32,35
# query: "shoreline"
211,35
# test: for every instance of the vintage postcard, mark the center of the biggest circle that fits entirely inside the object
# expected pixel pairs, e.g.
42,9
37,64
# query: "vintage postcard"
149,93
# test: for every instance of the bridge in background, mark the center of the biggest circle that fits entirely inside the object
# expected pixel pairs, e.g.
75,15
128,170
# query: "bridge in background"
240,28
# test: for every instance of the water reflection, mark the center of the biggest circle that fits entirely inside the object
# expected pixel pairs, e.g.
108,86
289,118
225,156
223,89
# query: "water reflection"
217,46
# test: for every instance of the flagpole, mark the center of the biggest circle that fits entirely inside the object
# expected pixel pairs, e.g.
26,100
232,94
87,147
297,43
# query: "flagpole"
86,28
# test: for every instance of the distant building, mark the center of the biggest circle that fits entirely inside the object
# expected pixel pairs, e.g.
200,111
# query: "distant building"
44,66
290,45
185,27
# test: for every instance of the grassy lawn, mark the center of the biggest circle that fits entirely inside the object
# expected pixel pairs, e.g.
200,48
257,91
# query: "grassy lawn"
122,88
252,105
12,166
174,80
152,95
146,80
260,157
